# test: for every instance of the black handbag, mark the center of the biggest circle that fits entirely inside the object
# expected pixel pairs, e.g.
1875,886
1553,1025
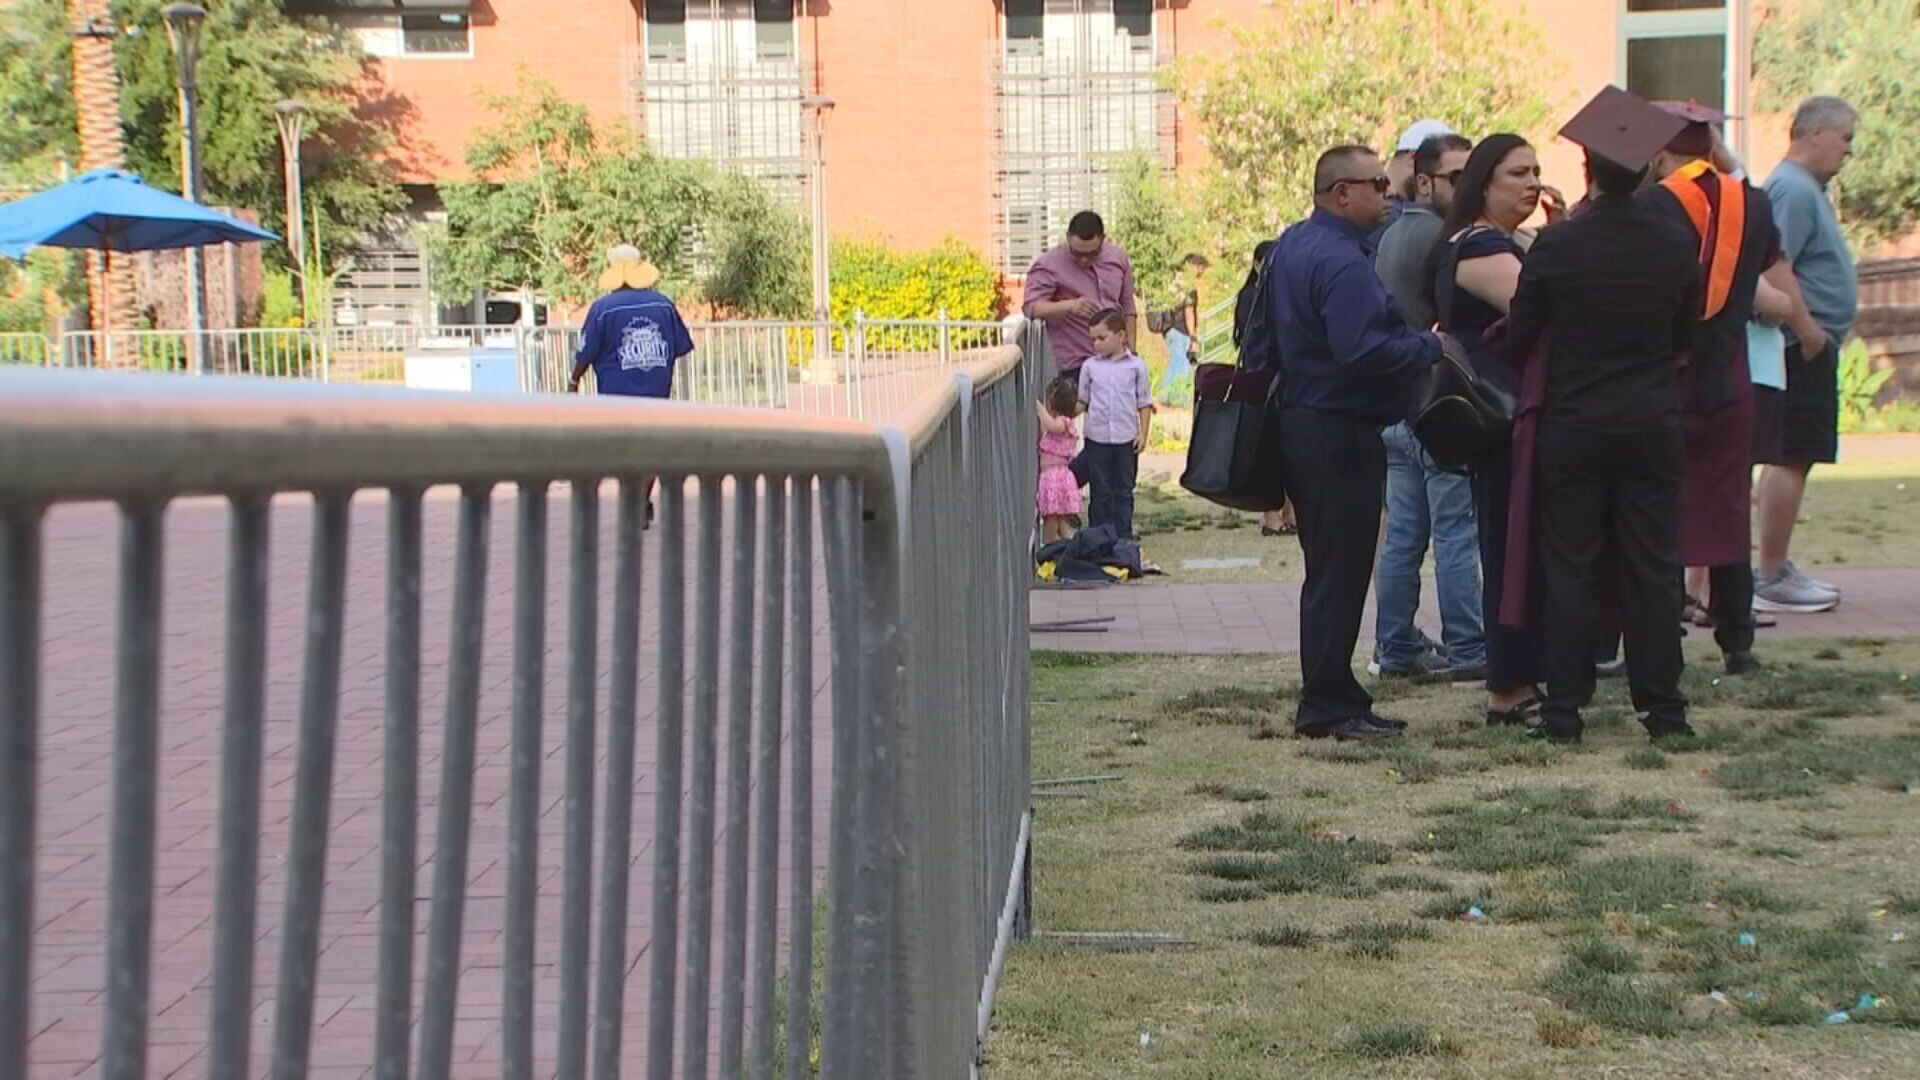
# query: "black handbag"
1458,415
1234,457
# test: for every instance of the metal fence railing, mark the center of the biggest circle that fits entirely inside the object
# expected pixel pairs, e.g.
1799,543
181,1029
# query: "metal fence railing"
1216,334
853,370
33,350
707,709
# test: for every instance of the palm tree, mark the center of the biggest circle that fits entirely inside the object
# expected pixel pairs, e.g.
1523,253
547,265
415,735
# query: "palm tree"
96,92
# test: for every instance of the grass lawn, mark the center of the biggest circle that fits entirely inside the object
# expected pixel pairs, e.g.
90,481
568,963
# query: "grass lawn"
1857,514
1699,911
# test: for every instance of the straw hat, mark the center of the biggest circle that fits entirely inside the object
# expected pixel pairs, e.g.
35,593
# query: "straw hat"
627,270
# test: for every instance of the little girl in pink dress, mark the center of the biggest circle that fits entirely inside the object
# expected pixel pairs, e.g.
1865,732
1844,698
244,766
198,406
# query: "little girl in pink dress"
1058,492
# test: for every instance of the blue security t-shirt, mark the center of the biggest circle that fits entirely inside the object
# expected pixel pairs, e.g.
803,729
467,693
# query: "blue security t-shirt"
633,337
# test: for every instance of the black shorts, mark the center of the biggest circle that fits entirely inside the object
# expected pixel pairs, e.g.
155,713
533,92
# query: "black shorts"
1810,414
1769,424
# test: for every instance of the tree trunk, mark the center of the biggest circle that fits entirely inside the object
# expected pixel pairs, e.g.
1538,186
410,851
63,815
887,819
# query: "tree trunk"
96,92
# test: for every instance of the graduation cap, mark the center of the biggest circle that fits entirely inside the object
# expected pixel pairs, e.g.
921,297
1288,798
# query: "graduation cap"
1696,139
1622,128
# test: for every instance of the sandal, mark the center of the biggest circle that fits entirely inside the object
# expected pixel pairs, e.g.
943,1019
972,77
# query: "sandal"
1525,714
1693,611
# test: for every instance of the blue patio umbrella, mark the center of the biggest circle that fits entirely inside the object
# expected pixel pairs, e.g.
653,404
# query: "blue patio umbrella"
107,211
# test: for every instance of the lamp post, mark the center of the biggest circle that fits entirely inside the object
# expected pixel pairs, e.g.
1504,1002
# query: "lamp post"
184,23
817,108
291,116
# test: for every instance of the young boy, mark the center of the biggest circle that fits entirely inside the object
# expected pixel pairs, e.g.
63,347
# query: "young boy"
1116,394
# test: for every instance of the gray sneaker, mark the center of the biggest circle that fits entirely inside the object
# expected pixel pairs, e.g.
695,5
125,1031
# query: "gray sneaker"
1785,592
1812,583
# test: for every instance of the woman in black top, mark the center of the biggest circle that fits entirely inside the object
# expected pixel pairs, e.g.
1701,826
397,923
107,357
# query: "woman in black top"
1483,244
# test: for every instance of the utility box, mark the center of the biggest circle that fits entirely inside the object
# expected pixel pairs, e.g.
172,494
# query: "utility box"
463,367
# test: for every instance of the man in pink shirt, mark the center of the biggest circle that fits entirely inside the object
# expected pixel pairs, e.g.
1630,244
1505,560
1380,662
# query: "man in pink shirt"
1075,281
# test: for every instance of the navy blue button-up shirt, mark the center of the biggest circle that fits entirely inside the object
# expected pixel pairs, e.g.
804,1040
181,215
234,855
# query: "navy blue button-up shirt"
1343,344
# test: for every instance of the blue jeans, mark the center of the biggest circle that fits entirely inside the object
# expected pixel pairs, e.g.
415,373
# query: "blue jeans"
1424,501
1113,469
1176,382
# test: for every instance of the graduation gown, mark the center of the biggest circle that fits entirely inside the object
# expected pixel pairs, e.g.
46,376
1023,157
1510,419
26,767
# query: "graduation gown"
1737,244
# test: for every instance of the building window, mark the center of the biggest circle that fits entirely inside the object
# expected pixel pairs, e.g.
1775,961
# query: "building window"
773,31
666,29
1678,50
443,33
721,80
1679,68
1076,95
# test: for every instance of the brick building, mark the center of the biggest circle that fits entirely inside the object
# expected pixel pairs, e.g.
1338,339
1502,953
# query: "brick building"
989,120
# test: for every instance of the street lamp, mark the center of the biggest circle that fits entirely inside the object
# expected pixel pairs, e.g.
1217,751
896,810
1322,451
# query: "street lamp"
184,23
291,116
818,107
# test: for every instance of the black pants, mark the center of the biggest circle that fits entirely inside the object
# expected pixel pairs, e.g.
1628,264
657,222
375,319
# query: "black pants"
1112,470
1731,604
1337,478
1513,655
1617,492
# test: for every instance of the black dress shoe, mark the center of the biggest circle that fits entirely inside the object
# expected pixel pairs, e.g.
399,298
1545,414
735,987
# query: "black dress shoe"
1741,663
1358,727
1386,722
1554,733
1672,729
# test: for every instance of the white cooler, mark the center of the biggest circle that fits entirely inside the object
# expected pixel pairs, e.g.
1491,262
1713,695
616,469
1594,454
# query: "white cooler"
463,367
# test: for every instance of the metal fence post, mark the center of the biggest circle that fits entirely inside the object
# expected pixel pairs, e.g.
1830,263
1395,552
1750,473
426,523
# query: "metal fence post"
857,351
946,339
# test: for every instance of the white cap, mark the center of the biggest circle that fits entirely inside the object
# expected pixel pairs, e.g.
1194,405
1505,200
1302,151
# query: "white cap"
1420,132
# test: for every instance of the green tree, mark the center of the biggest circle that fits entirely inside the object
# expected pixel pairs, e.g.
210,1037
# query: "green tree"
1865,51
1312,76
552,191
36,93
1151,224
252,55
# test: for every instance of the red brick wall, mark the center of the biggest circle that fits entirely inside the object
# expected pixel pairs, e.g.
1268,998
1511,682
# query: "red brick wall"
582,47
909,143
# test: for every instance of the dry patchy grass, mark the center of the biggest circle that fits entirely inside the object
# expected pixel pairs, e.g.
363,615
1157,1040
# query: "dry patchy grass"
1616,886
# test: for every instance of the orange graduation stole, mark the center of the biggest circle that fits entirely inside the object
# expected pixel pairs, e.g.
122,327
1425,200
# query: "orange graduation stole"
1724,260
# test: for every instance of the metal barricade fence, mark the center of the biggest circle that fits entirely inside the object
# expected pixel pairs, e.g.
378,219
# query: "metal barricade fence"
861,369
924,526
35,350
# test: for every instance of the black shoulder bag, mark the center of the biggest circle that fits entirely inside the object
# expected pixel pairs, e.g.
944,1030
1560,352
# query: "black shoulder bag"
1458,416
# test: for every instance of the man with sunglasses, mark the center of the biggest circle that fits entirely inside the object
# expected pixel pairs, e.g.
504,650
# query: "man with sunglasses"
1350,364
1425,502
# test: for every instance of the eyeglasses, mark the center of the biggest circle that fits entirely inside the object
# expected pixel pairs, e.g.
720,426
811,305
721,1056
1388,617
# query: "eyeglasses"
1450,177
1380,183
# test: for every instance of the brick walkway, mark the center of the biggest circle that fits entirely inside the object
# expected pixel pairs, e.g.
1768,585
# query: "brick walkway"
1264,617
76,763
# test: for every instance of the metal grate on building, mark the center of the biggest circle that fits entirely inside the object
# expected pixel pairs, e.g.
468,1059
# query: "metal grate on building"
384,287
722,80
1076,93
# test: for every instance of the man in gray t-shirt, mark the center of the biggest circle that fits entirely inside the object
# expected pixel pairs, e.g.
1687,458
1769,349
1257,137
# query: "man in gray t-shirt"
1424,502
1826,300
1401,258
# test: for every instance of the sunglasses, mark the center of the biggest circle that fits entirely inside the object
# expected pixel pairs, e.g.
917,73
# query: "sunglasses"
1450,177
1379,183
